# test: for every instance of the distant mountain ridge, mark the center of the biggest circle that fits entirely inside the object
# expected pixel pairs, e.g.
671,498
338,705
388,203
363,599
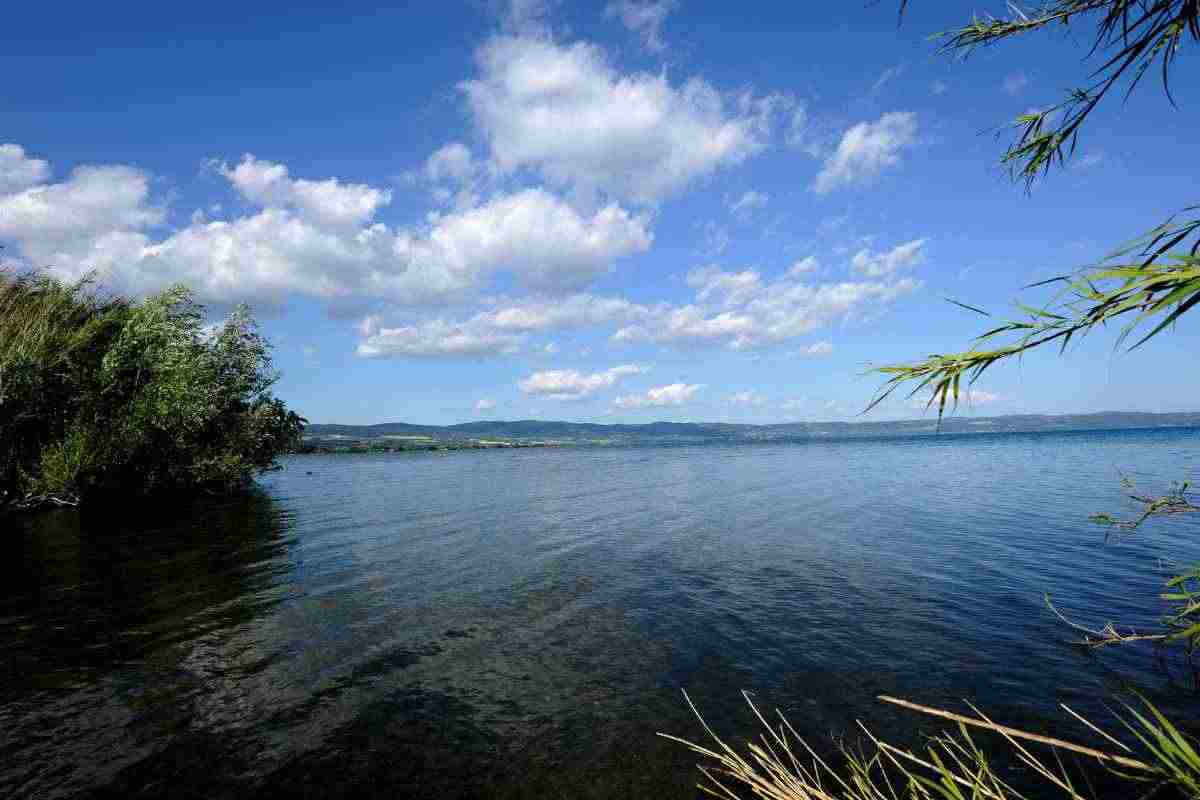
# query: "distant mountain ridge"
590,432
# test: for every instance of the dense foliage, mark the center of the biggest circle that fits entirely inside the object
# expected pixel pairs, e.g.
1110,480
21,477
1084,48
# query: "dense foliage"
105,396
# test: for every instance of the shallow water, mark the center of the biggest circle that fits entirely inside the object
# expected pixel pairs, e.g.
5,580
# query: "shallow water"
522,622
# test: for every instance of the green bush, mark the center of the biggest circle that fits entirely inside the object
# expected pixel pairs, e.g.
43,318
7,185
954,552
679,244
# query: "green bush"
102,395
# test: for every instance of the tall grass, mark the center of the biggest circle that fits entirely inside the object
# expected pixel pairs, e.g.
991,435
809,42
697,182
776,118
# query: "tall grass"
780,764
53,336
102,395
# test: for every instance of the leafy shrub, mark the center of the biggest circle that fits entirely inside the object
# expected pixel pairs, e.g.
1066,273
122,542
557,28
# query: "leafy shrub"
102,395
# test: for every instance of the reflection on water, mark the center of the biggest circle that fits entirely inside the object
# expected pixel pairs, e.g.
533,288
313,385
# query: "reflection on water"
121,630
521,623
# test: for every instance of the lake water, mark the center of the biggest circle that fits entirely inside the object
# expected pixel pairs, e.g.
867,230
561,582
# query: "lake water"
521,623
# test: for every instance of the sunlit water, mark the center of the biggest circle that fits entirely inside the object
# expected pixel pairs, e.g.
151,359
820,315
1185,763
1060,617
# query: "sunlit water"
521,623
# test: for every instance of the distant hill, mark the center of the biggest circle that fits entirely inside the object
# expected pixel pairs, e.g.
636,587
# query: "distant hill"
403,435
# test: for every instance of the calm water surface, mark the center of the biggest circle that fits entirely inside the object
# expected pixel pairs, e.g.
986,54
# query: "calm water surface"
521,623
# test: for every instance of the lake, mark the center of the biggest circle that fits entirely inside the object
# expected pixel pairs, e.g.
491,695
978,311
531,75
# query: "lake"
522,622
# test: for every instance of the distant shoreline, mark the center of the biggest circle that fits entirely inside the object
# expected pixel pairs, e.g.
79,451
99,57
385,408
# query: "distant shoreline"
405,437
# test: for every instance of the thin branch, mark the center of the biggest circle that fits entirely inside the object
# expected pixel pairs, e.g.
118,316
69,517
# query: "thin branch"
1016,733
1106,635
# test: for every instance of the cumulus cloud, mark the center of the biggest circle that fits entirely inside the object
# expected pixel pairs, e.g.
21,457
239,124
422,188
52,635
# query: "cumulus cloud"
675,394
532,233
309,238
451,163
565,112
571,311
500,330
18,171
96,211
866,150
748,399
644,18
433,338
328,203
745,312
568,384
728,288
736,309
875,265
485,404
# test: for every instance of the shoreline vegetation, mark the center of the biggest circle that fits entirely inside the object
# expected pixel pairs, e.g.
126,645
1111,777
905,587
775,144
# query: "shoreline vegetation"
103,397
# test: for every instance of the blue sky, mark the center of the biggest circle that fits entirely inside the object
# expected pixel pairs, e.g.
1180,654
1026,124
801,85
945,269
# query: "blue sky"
613,211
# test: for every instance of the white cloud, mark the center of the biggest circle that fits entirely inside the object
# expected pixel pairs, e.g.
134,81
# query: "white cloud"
532,233
797,134
967,397
748,399
325,203
565,112
97,211
644,18
675,394
747,312
1015,84
568,384
451,163
731,288
485,404
978,397
500,330
803,266
433,338
816,350
18,171
748,202
572,311
794,404
310,238
875,265
867,149
887,76
739,310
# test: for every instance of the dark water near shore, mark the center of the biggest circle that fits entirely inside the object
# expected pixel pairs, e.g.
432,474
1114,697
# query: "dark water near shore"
521,623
